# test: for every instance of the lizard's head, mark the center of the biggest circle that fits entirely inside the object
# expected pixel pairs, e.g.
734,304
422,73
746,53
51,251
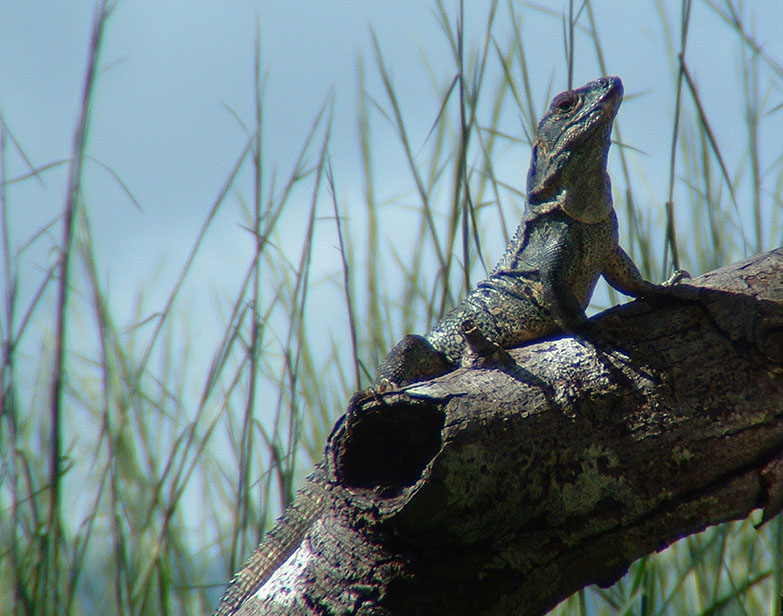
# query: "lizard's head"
570,150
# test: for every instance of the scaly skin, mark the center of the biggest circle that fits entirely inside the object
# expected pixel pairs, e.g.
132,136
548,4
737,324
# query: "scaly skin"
567,239
278,545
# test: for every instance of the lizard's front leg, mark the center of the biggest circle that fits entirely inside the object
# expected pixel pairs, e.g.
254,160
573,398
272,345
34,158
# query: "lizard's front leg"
621,272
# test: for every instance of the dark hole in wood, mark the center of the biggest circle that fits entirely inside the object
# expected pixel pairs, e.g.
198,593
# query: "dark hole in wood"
389,446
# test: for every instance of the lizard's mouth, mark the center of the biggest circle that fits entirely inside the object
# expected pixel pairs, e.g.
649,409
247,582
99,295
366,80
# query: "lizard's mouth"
610,101
597,120
610,105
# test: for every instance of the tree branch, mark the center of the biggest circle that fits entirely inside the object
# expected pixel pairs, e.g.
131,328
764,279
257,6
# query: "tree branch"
506,488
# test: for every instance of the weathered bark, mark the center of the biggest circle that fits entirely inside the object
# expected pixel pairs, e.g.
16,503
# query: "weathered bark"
504,489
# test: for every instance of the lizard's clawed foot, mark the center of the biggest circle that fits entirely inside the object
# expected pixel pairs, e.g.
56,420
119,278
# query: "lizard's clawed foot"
674,287
373,392
671,286
678,276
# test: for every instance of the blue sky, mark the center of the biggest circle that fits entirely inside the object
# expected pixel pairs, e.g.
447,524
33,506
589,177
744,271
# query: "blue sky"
161,121
171,71
176,76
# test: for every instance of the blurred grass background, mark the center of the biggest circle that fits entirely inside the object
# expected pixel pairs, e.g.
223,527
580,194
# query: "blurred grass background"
128,487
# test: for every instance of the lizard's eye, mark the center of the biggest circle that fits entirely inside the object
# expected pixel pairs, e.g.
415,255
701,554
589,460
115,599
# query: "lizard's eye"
566,103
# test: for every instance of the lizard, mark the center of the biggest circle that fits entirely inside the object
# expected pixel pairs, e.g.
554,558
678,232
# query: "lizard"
567,239
278,544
